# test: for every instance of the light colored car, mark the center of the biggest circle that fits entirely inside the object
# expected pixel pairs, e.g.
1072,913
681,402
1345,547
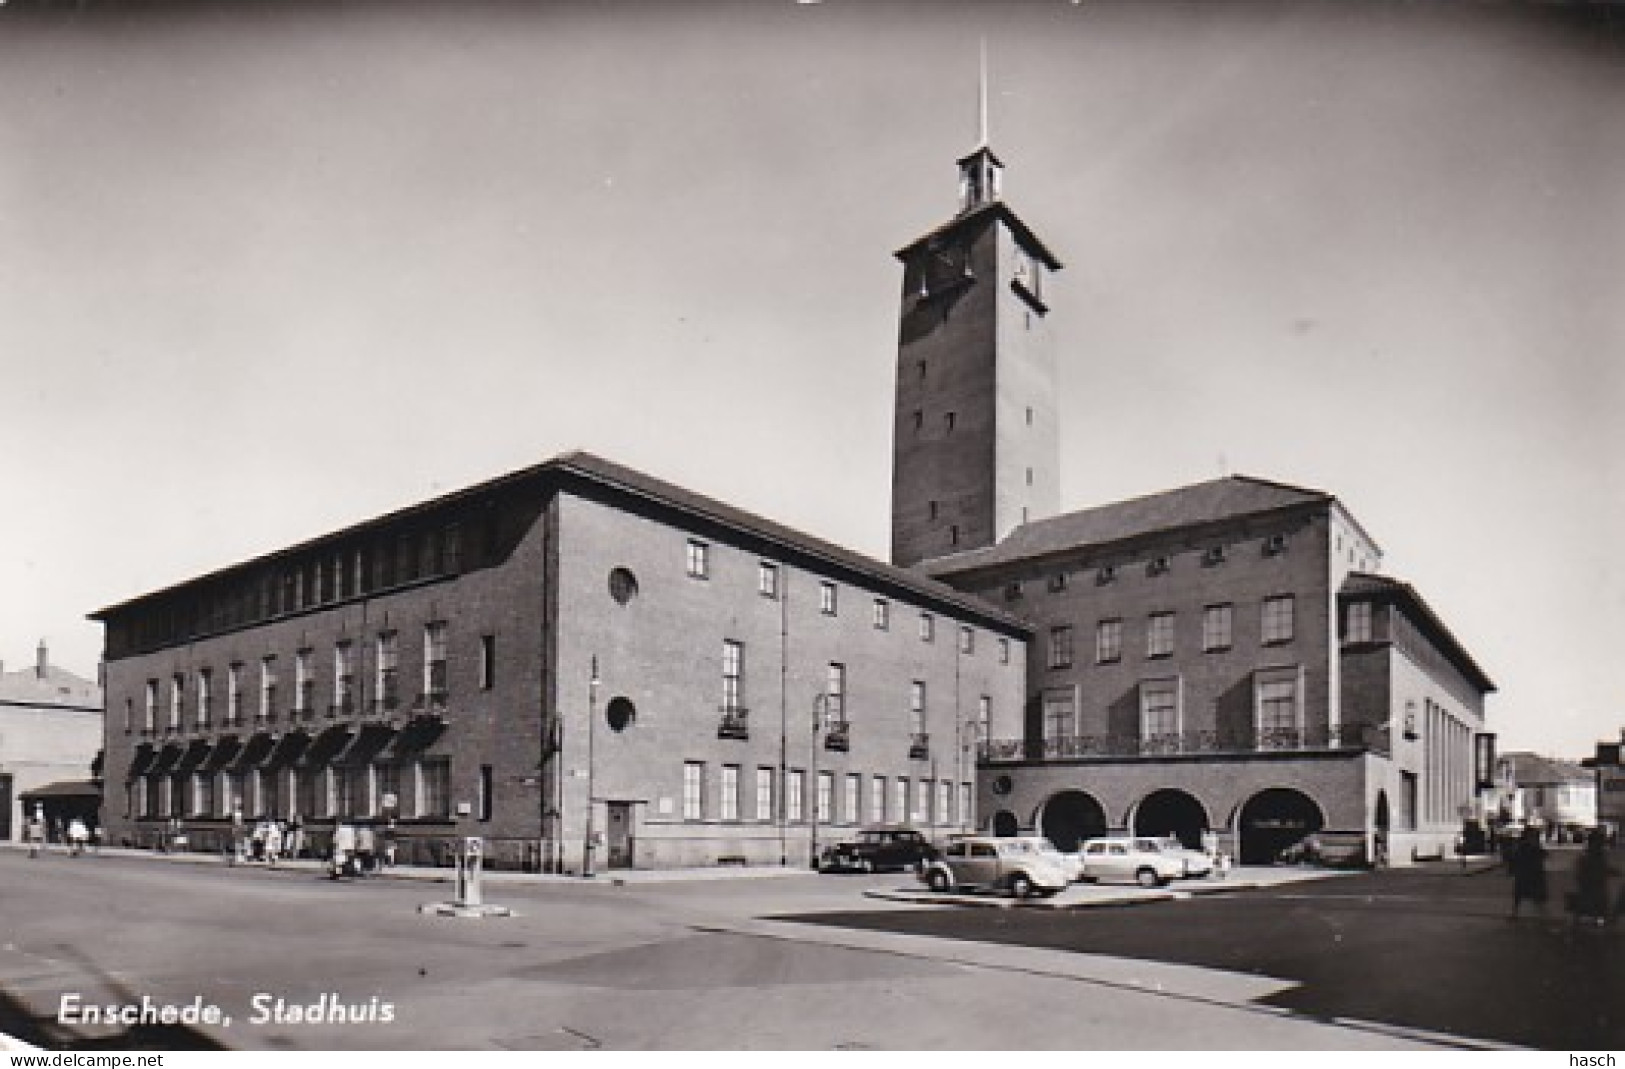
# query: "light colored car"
1132,859
1197,863
993,863
1071,864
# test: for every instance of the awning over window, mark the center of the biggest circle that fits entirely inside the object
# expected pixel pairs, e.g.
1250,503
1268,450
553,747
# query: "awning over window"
193,756
226,747
288,749
167,758
63,789
418,735
254,751
366,745
330,742
142,760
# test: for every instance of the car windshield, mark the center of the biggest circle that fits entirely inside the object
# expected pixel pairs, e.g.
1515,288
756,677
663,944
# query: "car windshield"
1150,846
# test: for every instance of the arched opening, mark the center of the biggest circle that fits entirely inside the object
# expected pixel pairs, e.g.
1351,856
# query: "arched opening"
1273,820
1070,817
1171,812
1005,824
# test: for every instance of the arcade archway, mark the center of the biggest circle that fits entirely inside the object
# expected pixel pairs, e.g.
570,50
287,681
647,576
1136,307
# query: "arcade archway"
1171,812
1005,824
1070,817
1273,820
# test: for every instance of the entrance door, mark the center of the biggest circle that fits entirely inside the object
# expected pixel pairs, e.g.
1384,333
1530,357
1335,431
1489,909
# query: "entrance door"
5,808
620,834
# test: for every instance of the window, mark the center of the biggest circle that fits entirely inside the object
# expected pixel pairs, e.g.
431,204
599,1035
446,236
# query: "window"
826,796
1159,716
1277,619
1004,651
764,793
1275,694
950,419
1216,627
1108,641
877,800
967,640
699,560
234,694
1057,582
693,790
268,687
386,776
928,627
984,718
129,719
177,701
793,786
434,661
900,798
919,421
733,674
826,598
1060,647
835,696
488,661
851,811
882,614
730,792
487,791
387,685
943,794
767,580
1358,628
205,699
343,678
1012,590
1159,634
1060,714
304,684
916,707
202,794
922,801
434,788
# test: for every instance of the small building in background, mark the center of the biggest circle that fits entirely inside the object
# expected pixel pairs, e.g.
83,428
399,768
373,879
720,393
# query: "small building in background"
50,733
1558,796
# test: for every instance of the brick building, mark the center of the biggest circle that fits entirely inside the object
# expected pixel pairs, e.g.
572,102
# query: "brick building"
722,687
1211,659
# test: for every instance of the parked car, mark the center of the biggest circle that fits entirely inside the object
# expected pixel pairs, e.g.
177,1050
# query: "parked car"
1197,864
878,849
1327,849
1071,864
993,863
1126,858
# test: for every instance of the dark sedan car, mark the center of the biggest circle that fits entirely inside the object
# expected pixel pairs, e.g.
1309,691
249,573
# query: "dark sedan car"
878,849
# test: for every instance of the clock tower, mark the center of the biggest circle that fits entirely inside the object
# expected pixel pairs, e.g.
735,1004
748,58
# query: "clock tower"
975,444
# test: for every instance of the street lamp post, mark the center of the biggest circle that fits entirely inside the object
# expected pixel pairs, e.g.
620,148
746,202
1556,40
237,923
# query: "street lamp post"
592,719
820,706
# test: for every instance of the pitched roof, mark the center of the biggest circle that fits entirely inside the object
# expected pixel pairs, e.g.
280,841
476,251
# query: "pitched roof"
1530,769
1171,510
1403,594
58,687
587,473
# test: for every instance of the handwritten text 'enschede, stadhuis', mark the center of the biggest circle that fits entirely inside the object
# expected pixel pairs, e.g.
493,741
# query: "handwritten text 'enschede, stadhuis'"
264,1008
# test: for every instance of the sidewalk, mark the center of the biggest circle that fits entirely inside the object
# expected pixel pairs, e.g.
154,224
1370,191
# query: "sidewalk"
608,878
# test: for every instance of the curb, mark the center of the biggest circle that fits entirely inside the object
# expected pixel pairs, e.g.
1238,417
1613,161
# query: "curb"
1122,898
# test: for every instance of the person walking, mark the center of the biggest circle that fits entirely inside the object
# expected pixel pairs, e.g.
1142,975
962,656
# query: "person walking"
1529,872
36,831
366,848
78,835
343,849
273,842
1590,901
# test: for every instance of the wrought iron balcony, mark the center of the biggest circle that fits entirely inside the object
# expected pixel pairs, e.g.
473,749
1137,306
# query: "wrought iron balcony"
433,701
735,723
919,746
838,736
1346,737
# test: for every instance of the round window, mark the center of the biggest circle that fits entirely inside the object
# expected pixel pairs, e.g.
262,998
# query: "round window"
1002,785
620,714
623,585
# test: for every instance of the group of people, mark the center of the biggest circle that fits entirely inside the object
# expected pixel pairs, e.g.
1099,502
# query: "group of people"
1589,902
355,849
74,833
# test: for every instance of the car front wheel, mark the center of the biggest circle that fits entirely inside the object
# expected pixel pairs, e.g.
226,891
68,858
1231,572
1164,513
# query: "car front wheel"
1021,885
938,881
1148,878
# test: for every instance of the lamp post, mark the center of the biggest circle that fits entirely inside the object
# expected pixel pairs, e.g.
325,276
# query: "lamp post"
592,720
820,706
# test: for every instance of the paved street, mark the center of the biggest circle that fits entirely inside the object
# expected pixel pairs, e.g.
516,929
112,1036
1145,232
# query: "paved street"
734,963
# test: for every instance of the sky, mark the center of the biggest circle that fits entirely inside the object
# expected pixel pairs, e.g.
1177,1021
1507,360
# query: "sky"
270,269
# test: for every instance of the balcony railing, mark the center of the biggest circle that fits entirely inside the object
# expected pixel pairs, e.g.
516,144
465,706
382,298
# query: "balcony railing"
838,736
1349,737
919,746
735,724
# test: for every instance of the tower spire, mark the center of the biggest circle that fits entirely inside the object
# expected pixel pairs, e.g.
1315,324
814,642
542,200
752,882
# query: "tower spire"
981,85
979,172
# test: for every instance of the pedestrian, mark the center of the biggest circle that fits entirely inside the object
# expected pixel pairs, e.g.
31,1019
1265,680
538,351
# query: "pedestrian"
1590,899
78,835
1529,871
390,843
366,848
273,842
296,838
1221,862
36,832
343,849
238,843
257,842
